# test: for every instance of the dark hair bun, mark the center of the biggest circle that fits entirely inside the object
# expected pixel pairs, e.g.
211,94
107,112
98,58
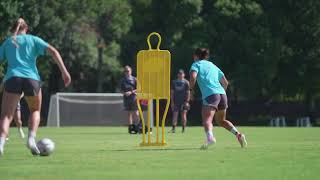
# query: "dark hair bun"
202,53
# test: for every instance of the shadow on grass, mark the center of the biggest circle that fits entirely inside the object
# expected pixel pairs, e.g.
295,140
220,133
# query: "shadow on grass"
152,149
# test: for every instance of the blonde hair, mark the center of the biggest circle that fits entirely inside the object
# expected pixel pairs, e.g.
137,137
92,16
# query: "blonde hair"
18,26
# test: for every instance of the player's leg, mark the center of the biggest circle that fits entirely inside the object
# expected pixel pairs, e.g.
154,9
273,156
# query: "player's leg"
220,118
185,109
207,117
18,121
33,97
175,114
130,122
9,104
136,119
184,120
34,104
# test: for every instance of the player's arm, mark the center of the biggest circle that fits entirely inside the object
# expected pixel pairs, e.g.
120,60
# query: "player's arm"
58,59
123,89
193,79
187,100
172,98
134,91
224,82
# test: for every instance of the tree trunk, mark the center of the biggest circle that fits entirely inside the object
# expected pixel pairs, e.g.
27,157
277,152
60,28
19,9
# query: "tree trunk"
100,63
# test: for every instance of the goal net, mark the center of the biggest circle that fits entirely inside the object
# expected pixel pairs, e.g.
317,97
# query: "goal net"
88,109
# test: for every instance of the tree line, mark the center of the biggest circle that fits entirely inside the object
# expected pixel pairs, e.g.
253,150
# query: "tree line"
269,50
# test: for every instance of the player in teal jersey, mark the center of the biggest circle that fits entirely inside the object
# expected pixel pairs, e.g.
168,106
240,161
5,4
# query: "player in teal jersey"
213,84
21,51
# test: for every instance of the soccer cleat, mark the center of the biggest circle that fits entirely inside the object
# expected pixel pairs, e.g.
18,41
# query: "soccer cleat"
172,131
7,138
33,147
210,141
21,133
1,151
242,140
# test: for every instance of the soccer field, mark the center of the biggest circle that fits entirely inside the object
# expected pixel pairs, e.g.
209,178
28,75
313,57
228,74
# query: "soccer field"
111,153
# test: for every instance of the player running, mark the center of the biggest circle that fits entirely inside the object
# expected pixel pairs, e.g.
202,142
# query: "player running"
128,89
213,84
21,51
180,97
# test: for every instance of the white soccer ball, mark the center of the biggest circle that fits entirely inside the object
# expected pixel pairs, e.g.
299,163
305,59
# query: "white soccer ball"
46,147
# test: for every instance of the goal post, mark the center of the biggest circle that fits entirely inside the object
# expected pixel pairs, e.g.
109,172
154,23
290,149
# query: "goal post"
88,109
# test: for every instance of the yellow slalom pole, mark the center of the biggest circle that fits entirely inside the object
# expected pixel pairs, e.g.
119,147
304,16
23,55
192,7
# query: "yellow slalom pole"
148,123
142,121
164,121
157,118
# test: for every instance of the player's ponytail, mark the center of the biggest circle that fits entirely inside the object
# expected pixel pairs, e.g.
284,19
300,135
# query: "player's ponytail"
202,53
19,25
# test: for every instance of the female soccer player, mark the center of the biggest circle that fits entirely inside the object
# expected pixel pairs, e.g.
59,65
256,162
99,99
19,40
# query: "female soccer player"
213,85
180,97
21,51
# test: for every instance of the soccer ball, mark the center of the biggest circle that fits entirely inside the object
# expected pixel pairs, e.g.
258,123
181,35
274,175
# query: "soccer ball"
46,147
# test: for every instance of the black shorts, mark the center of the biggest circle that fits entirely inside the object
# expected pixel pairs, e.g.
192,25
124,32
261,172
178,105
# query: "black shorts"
130,105
181,107
217,101
17,85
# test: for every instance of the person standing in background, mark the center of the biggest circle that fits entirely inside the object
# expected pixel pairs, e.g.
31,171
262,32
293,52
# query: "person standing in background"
128,89
180,97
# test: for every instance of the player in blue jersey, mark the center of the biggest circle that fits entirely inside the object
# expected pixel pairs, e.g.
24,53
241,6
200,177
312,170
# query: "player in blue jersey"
213,84
21,51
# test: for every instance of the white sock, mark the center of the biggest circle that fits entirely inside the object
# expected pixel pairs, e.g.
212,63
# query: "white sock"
31,138
209,134
2,142
234,131
32,135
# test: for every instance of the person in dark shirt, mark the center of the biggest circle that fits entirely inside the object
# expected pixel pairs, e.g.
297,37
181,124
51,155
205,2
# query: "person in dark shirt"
128,89
180,97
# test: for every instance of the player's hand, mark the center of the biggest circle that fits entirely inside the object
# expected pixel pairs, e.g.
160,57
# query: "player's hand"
191,96
66,78
128,93
172,106
186,104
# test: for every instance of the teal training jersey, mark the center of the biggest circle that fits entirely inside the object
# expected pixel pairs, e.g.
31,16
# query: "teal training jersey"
22,59
208,77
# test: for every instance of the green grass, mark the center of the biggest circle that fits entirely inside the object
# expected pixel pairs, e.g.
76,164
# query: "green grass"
110,153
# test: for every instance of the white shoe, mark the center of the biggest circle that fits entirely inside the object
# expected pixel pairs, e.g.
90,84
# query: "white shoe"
33,147
242,140
7,138
21,133
1,151
209,142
